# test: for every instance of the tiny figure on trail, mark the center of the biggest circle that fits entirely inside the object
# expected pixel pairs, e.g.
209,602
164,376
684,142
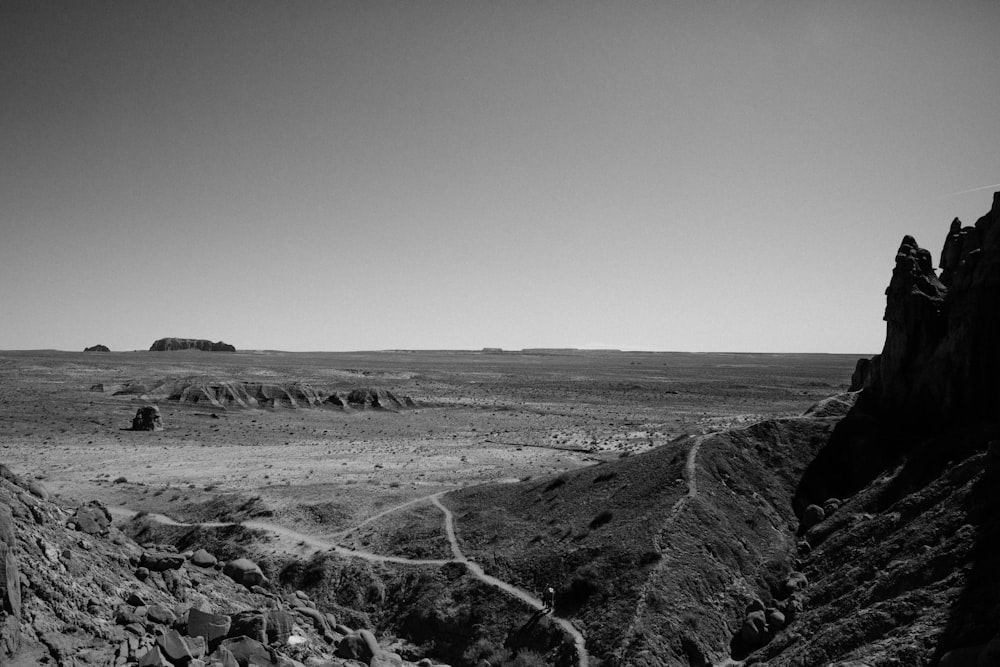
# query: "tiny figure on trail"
550,600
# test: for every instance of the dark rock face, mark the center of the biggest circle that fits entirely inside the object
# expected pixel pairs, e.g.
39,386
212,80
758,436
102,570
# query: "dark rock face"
941,357
907,482
169,344
97,348
147,419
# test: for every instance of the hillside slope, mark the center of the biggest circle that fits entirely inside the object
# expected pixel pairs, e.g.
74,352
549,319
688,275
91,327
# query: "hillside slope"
653,556
904,572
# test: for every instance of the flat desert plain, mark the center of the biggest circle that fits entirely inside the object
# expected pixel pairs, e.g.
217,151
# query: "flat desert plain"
478,417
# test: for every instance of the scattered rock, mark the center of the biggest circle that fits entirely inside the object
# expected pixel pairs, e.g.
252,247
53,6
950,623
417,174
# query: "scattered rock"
244,571
213,627
202,558
147,419
812,515
795,583
159,561
247,651
250,623
92,519
754,630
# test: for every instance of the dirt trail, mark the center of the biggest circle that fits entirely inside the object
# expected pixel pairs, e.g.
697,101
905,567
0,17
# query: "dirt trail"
303,544
390,510
519,593
290,540
691,477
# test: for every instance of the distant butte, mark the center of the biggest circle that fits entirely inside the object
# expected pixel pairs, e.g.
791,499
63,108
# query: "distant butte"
169,344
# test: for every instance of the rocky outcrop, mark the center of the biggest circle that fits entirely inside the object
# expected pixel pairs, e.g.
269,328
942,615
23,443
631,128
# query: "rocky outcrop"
97,348
239,394
72,597
147,419
941,360
169,344
899,515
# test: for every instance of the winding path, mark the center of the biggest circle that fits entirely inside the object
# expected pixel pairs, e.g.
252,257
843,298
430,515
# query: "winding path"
519,593
294,539
691,477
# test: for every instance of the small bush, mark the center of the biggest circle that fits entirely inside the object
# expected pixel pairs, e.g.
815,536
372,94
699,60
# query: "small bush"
484,649
601,519
528,659
556,483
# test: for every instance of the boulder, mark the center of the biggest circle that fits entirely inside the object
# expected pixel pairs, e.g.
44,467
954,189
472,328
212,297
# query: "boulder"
754,629
147,419
775,619
318,619
244,571
813,515
213,627
223,657
355,647
157,613
202,558
91,519
159,561
795,583
38,489
250,623
97,348
154,658
248,651
279,626
385,659
179,649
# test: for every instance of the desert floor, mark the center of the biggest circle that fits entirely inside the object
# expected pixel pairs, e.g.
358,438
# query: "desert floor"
480,417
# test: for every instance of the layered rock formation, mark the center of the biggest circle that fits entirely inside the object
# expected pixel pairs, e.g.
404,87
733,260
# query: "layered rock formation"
239,394
941,359
169,344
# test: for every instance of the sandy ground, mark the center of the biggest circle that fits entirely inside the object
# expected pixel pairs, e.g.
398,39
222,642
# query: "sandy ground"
481,418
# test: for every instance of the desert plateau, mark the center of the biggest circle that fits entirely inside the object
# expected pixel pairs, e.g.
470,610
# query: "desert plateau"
437,333
185,506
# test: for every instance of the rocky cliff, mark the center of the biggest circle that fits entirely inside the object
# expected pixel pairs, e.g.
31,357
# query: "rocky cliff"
941,359
901,568
168,344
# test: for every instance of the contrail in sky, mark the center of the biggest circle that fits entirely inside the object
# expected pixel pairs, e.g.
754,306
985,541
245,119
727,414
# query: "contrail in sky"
962,192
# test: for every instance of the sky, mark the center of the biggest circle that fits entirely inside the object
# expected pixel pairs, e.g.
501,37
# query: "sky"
335,175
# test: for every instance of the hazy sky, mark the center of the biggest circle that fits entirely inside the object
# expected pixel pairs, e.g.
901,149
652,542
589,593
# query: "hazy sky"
729,176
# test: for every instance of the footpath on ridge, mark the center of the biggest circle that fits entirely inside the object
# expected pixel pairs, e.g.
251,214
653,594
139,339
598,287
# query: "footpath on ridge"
294,541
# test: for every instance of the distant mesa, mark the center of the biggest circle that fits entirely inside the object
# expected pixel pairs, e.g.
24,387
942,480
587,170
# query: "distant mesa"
170,344
237,394
97,348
